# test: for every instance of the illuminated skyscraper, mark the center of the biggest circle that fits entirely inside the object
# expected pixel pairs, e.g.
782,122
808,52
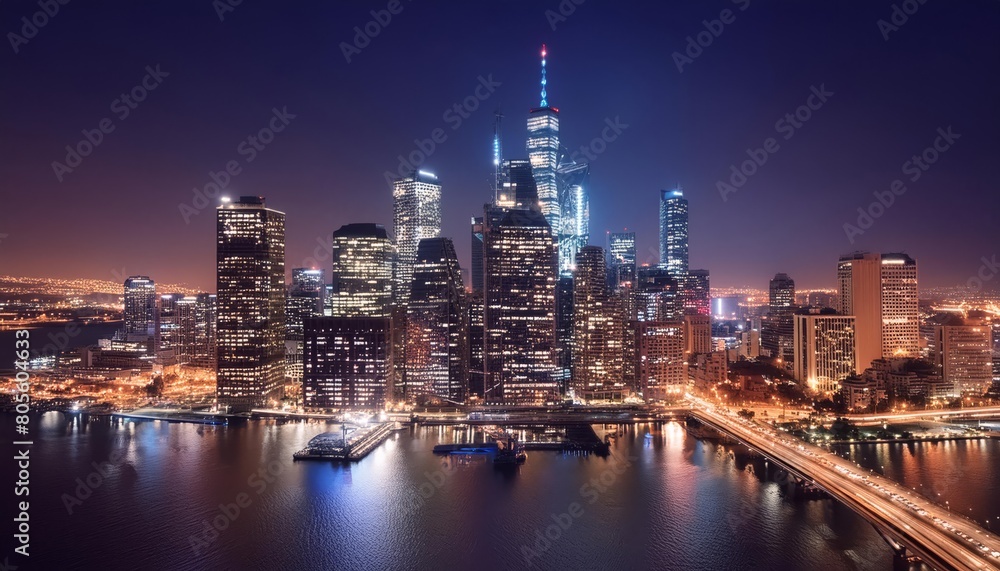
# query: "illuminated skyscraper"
573,180
964,355
477,254
881,292
250,278
416,215
777,327
674,232
520,307
622,249
597,329
657,295
305,299
824,349
543,152
437,335
176,323
140,309
346,363
361,282
697,293
519,185
662,368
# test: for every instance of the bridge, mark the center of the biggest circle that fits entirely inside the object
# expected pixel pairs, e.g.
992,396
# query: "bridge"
909,522
969,412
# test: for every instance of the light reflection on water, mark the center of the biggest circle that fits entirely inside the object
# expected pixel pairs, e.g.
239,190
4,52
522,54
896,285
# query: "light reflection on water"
673,501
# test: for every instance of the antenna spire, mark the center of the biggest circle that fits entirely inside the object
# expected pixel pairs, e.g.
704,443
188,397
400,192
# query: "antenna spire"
545,101
497,154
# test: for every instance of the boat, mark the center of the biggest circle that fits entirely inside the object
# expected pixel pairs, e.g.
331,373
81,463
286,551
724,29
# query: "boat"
510,452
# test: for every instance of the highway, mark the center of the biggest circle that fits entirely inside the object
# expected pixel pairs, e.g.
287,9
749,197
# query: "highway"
967,412
940,538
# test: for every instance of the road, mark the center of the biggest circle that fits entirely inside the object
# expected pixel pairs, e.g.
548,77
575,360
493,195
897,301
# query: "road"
967,412
939,537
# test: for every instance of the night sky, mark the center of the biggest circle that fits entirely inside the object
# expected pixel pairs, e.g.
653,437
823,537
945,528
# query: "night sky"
117,212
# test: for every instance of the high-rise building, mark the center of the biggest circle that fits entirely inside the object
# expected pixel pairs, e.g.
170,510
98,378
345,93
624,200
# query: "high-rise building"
206,308
305,299
520,190
543,152
674,232
250,285
964,355
361,282
782,293
697,293
824,349
177,323
657,295
697,334
346,363
437,357
477,345
778,326
880,291
477,254
140,310
621,246
416,215
597,329
564,332
662,359
520,307
573,181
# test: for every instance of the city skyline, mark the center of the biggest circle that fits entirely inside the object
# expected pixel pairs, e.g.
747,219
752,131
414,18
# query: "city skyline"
676,138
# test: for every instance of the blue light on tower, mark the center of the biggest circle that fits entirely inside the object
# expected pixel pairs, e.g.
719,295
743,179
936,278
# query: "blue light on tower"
545,101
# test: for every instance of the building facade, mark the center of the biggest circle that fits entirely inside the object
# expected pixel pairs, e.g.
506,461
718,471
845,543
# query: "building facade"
250,289
361,282
346,363
824,350
416,215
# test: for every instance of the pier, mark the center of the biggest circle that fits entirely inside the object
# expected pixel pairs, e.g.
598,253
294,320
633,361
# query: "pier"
338,447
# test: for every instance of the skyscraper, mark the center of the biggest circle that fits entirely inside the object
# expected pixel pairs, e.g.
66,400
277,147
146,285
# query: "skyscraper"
621,246
250,285
824,349
345,363
520,306
697,293
140,309
437,337
657,295
543,152
305,299
881,292
778,326
519,186
964,355
662,360
597,328
674,232
361,282
416,215
477,254
573,181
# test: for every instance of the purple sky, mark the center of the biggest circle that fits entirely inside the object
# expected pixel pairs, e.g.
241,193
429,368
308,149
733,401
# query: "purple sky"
118,211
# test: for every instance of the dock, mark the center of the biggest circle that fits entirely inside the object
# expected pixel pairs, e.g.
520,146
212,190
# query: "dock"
337,447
